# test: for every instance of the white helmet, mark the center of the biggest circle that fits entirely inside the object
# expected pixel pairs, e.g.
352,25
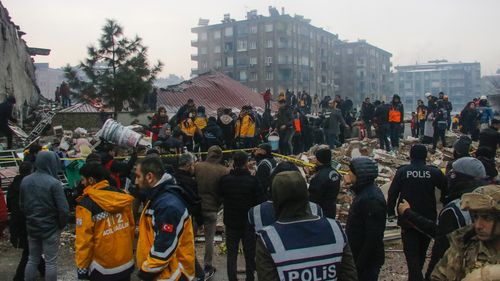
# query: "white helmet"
427,95
483,98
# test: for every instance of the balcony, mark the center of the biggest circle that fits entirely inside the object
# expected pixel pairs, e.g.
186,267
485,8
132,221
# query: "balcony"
194,43
194,57
194,71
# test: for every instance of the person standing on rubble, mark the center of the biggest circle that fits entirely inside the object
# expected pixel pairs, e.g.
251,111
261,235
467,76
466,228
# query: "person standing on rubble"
245,128
227,123
284,126
396,119
44,204
65,94
440,124
208,174
366,220
265,165
333,124
416,184
6,109
299,245
381,121
367,111
325,185
239,191
267,98
490,136
421,116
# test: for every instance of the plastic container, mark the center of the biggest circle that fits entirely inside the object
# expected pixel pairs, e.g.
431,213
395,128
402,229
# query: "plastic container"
274,141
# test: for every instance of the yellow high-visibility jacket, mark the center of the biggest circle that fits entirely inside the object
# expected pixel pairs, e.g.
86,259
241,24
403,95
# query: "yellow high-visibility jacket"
245,127
165,248
188,127
201,122
104,233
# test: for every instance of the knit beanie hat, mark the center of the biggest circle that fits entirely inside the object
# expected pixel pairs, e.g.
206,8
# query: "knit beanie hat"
461,147
324,155
266,147
418,152
470,166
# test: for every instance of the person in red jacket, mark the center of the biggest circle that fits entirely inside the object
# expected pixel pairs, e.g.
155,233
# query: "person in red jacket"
267,98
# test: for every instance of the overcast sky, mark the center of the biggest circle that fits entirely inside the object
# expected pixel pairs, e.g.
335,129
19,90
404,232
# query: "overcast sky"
412,30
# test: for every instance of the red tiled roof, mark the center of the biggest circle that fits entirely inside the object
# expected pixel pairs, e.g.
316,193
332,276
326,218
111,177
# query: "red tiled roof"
85,107
211,90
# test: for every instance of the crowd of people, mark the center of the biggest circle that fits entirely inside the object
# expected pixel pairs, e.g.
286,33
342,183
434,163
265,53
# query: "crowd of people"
285,222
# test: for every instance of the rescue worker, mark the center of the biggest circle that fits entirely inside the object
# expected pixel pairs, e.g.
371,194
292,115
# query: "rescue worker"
473,252
245,128
416,184
267,98
165,248
366,221
333,125
300,246
104,228
284,126
201,119
188,127
396,119
263,215
325,185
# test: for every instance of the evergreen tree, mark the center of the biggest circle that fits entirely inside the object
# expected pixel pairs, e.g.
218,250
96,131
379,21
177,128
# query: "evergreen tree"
116,70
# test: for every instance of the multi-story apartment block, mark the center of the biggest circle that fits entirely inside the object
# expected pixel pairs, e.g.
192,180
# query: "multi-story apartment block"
460,81
362,71
278,52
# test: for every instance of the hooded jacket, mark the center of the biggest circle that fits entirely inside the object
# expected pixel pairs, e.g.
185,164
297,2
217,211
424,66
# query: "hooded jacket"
208,174
226,123
324,188
42,198
165,248
17,222
367,216
212,134
291,206
104,233
245,126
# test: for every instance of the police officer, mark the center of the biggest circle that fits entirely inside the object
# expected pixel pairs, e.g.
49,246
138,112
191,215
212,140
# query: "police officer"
300,246
473,252
263,215
324,186
416,184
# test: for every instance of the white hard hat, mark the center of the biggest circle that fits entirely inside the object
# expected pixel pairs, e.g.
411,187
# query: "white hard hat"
483,98
427,95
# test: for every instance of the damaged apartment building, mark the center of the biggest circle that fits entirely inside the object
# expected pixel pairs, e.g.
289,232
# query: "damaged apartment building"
281,51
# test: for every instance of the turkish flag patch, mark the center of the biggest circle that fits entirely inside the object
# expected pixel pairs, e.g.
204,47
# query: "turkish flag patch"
168,228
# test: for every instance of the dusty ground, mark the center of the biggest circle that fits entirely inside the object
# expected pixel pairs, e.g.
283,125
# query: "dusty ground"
393,270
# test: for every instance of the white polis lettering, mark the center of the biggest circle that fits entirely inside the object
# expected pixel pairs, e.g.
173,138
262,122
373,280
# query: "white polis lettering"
326,272
418,174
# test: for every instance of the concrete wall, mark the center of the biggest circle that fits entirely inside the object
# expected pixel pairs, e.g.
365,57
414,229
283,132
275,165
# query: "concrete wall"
17,72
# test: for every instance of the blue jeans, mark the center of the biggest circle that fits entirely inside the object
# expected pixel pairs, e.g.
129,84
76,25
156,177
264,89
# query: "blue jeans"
333,140
49,248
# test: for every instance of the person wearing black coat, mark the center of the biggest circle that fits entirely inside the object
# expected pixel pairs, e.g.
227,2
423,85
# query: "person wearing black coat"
325,185
367,112
487,157
6,109
416,184
491,136
227,124
239,191
265,166
184,176
17,222
367,217
381,123
212,134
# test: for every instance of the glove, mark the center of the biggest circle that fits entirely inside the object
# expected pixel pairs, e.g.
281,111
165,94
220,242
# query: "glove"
83,274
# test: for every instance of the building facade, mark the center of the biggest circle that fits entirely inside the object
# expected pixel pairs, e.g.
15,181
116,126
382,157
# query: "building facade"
278,52
48,79
460,81
362,71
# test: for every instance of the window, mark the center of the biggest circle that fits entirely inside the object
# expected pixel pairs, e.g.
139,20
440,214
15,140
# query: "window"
229,61
282,59
269,27
203,50
241,45
243,75
269,43
228,31
253,76
253,29
217,34
218,63
253,61
228,47
217,49
269,75
204,64
269,60
349,51
253,45
202,36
